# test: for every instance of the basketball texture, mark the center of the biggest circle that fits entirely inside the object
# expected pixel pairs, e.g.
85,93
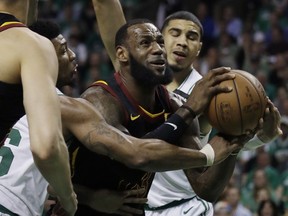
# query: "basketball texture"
240,110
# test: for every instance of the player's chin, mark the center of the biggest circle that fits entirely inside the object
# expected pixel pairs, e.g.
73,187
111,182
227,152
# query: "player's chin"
158,69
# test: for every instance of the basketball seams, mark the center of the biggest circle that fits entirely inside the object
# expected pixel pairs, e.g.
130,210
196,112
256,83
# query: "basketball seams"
239,104
217,113
241,109
256,89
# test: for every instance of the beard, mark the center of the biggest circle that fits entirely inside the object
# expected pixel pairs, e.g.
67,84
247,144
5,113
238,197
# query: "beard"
145,76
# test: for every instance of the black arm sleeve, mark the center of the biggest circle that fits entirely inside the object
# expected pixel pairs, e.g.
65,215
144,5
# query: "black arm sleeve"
170,131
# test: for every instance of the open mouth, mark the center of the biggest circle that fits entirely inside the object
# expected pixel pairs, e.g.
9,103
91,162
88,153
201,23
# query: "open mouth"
180,54
159,64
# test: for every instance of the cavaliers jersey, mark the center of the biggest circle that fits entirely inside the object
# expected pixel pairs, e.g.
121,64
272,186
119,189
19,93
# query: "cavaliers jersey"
11,95
98,171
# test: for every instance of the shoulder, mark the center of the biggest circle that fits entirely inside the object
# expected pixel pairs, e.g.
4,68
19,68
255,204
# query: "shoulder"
108,105
75,107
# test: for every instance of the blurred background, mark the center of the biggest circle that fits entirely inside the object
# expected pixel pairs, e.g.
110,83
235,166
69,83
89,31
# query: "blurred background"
251,35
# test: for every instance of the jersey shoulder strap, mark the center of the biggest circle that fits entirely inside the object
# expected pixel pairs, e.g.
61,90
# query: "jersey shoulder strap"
9,21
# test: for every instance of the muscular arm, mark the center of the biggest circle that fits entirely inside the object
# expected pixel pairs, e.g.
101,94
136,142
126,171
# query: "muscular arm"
31,12
39,68
146,154
210,184
110,18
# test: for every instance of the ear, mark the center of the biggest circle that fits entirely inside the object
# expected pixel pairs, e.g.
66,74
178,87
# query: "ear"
122,54
199,48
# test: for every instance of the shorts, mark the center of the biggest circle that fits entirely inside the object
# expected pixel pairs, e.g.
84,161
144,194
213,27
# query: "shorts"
189,207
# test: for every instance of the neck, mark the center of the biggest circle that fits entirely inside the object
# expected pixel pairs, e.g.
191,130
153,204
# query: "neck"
179,78
145,96
21,9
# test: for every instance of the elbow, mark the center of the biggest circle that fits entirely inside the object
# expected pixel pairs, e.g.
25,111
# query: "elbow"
138,162
45,148
209,196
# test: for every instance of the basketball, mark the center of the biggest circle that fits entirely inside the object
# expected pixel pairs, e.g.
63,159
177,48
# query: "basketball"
240,110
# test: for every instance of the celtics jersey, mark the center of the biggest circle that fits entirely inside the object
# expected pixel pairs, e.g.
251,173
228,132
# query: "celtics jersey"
23,190
170,189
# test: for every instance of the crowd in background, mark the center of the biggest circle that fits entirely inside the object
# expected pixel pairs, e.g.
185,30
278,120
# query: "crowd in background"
251,35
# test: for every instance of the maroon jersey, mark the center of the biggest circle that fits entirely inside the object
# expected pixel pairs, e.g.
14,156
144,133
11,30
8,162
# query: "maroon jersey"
99,172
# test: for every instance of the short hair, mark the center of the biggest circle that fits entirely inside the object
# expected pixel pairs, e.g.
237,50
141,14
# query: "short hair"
184,15
122,33
46,28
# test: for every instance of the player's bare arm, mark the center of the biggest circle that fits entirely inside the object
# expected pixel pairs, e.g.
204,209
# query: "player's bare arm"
137,153
110,18
39,66
31,12
99,137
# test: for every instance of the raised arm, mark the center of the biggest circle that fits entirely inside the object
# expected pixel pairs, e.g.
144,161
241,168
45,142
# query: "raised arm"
31,12
110,18
39,67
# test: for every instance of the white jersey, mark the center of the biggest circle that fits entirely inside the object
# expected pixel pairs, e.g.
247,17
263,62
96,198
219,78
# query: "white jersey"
172,188
23,190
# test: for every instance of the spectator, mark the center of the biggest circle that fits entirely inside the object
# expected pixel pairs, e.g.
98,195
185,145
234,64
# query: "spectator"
233,199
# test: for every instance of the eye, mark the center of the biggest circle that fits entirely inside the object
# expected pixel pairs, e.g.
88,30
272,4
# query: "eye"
192,36
174,33
64,50
144,42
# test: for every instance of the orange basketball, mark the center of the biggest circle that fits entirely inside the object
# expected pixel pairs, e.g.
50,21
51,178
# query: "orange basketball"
236,112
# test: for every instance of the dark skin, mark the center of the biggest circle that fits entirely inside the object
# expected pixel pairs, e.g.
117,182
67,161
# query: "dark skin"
177,36
113,113
146,52
92,130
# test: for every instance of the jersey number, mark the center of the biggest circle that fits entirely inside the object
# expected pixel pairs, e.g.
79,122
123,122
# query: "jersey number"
6,153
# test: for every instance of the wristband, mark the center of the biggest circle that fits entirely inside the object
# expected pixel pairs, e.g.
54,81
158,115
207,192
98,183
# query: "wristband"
252,144
170,131
210,154
192,113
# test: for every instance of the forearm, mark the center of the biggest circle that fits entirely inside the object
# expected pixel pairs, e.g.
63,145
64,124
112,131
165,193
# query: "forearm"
151,155
210,184
31,12
174,128
110,18
55,169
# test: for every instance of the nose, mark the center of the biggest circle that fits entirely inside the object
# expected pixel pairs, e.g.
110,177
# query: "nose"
182,40
72,55
158,49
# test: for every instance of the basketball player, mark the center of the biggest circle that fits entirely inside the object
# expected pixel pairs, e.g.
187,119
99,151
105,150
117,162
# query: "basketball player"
27,81
182,34
134,101
22,187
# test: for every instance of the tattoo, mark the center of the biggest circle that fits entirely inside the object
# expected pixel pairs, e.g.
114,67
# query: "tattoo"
105,134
